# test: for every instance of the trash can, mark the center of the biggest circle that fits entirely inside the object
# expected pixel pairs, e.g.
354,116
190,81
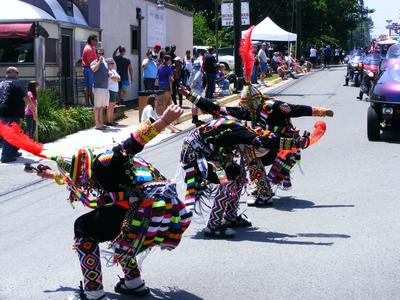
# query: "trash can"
143,95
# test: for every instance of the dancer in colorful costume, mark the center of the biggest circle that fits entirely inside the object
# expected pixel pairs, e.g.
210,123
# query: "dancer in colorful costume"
269,115
210,155
135,206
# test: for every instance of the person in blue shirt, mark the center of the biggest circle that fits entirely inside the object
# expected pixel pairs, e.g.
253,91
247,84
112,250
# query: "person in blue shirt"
149,71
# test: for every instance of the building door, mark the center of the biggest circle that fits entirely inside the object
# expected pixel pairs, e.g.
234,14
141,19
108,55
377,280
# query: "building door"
67,88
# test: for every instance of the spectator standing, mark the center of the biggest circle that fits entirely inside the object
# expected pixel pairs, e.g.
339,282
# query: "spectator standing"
188,66
31,113
89,55
125,70
210,69
12,108
100,90
113,79
313,55
164,76
149,66
177,74
326,52
156,52
172,52
263,62
196,85
167,51
256,66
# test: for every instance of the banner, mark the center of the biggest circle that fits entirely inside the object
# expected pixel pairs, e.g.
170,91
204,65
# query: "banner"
156,26
227,14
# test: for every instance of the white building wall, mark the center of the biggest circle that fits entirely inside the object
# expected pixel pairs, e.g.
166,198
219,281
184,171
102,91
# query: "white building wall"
116,19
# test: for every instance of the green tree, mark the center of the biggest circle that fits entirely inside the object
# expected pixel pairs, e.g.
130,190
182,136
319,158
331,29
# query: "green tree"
323,21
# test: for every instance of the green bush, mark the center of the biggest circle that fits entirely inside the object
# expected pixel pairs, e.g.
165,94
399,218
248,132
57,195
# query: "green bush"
56,121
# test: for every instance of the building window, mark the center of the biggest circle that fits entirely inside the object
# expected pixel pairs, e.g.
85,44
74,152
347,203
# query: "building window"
16,50
51,51
134,39
70,8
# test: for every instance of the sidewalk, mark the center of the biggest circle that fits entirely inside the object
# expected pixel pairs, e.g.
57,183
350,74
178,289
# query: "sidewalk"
102,140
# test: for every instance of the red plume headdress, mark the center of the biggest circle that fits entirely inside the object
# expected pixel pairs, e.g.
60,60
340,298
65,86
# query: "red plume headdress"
247,54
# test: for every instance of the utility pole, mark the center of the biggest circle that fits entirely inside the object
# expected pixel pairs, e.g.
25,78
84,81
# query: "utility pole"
216,8
298,28
237,29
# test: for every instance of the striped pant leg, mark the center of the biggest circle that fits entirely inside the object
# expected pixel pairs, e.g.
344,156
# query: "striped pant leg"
129,267
190,193
232,206
89,257
219,206
259,177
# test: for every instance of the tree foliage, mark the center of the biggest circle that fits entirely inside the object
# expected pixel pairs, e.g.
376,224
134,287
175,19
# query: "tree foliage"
323,21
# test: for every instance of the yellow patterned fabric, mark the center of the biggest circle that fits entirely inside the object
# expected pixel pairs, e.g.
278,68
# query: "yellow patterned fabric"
145,133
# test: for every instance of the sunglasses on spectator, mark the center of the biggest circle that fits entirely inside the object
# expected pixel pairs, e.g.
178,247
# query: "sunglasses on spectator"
100,53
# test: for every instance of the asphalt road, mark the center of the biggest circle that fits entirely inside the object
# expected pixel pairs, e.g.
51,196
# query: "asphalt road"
333,236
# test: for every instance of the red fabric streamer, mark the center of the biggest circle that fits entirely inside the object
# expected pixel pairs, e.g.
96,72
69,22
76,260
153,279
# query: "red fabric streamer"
316,135
247,54
14,135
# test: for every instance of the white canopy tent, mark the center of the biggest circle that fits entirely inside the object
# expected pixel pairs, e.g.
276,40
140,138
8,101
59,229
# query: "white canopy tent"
267,30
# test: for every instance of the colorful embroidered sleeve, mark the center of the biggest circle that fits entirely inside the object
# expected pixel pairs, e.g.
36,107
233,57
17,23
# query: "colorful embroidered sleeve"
145,133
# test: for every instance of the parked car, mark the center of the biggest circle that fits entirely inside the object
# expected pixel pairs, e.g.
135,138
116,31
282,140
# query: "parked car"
197,49
384,109
226,57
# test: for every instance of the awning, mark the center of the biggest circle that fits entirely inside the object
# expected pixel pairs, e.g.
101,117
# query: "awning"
16,30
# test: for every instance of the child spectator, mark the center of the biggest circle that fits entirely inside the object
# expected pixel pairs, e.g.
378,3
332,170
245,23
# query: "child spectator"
223,83
31,113
149,112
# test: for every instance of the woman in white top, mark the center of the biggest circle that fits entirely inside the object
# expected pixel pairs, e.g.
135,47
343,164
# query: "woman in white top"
149,112
113,79
188,65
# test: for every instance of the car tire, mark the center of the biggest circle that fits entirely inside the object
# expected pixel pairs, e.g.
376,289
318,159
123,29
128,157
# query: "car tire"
373,125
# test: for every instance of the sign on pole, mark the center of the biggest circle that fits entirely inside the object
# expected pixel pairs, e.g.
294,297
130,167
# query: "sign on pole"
227,13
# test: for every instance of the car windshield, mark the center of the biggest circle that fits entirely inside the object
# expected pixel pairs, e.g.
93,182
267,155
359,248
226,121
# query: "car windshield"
393,52
395,73
372,59
356,53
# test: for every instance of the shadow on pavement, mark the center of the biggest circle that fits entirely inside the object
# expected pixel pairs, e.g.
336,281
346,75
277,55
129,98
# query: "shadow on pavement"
292,203
253,234
299,95
167,293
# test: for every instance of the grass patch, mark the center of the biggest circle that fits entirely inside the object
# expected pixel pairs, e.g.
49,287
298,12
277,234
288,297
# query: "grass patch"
56,120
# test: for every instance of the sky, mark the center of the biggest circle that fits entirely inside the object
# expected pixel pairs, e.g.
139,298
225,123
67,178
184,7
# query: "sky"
384,10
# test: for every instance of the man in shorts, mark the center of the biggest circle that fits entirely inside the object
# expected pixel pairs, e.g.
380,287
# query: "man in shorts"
89,55
262,56
125,70
100,90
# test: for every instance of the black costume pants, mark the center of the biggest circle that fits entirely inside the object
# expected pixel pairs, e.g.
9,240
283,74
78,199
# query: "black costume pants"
101,224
